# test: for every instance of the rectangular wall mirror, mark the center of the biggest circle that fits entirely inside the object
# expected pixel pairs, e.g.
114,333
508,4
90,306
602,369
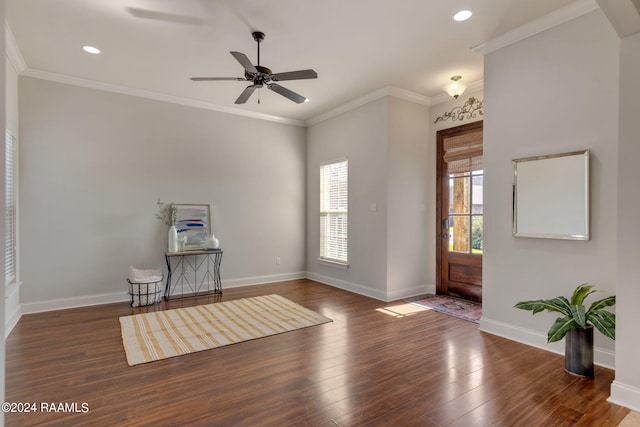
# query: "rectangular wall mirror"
551,196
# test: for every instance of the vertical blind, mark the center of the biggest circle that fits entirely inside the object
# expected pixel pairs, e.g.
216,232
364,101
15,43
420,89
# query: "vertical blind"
334,200
10,210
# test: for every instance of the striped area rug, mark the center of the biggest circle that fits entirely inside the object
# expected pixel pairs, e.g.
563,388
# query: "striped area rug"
162,334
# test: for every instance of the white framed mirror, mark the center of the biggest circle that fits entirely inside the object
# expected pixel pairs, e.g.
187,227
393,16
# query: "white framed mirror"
551,196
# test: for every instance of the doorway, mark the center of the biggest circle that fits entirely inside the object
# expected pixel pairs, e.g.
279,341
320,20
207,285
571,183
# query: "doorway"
459,212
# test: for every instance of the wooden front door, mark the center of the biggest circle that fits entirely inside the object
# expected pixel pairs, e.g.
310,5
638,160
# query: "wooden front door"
460,212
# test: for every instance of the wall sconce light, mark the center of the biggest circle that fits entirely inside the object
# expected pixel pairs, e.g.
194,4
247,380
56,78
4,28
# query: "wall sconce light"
455,88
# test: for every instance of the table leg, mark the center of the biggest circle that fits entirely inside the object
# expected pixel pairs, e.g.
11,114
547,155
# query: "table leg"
167,287
216,273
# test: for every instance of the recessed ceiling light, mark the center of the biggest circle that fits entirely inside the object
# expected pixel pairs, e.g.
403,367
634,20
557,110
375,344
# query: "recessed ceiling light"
91,49
463,15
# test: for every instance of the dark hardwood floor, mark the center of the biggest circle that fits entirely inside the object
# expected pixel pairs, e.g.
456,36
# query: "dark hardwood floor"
376,364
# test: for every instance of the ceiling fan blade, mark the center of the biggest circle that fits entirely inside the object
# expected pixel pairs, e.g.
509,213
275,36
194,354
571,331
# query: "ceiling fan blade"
203,79
287,93
244,61
247,93
295,75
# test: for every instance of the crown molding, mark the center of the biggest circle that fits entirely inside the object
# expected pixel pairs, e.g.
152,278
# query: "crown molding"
13,52
125,90
624,15
19,64
536,26
396,92
407,95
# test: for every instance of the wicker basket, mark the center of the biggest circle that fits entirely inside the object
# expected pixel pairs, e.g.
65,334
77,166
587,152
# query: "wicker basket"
145,293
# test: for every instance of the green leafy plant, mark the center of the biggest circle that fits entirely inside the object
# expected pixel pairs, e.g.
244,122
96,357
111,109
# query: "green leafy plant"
167,213
575,313
476,233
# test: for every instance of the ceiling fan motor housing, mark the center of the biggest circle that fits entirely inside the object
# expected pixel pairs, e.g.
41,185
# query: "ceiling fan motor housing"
258,36
263,75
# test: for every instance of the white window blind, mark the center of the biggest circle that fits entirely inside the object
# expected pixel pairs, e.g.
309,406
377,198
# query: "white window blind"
334,211
10,210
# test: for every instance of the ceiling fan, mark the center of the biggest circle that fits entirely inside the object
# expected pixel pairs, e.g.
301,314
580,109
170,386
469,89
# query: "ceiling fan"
262,76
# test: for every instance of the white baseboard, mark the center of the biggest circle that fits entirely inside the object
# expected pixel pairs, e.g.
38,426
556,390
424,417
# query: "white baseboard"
108,298
348,286
73,302
411,292
259,280
372,293
88,300
11,321
601,356
12,309
625,395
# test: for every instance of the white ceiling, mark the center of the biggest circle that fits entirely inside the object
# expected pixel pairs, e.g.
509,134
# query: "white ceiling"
356,46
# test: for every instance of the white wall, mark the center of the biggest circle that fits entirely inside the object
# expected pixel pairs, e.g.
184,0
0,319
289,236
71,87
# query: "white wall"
551,93
12,292
386,142
625,390
93,164
3,110
361,136
407,192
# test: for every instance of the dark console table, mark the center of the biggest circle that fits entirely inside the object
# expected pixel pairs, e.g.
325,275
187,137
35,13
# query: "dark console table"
196,269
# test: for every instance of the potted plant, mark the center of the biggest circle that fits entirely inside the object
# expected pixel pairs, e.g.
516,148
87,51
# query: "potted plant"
577,325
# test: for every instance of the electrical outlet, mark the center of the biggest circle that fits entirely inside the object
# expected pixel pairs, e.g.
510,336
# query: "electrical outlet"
278,260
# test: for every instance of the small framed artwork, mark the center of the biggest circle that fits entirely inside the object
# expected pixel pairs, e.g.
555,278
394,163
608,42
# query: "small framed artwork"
193,221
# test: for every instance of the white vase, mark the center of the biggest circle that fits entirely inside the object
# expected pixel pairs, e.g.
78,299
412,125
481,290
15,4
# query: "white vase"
212,242
173,239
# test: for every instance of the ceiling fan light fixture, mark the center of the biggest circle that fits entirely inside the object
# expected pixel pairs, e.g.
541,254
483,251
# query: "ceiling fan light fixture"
91,49
456,87
463,15
262,76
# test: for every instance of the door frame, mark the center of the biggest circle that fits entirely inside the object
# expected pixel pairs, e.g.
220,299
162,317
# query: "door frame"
441,274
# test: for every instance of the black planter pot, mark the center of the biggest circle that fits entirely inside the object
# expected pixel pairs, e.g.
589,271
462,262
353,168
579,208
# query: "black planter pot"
578,356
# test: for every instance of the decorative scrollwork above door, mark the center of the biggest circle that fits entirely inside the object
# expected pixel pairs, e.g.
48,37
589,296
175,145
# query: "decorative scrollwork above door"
469,110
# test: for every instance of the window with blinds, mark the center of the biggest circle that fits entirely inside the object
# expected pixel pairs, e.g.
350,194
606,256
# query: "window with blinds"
10,197
334,212
463,153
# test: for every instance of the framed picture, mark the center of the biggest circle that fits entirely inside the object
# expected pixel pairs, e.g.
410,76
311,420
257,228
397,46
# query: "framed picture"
193,221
